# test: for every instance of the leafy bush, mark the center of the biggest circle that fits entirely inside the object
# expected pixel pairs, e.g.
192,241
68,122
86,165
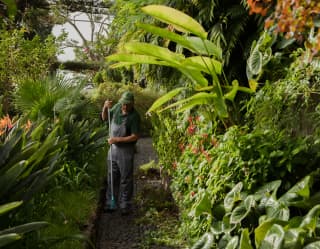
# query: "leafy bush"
209,164
85,139
290,105
22,59
28,160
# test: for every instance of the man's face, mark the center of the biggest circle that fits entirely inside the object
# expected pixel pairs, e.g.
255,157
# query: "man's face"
126,108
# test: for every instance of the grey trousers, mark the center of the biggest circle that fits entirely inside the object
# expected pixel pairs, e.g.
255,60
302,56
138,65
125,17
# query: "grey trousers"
122,175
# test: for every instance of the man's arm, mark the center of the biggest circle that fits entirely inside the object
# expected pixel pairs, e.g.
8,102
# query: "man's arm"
127,139
104,114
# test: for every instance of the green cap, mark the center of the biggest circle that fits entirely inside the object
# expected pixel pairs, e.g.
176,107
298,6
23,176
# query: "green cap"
126,98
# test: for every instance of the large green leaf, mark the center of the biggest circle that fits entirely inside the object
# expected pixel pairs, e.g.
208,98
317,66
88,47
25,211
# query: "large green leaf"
8,238
11,177
261,231
43,178
25,228
220,106
9,206
204,64
313,245
224,226
24,153
49,143
205,47
204,205
195,75
260,55
294,238
242,211
205,242
192,103
176,18
297,193
164,99
310,221
267,189
201,98
255,62
233,243
274,238
192,43
8,147
232,197
155,51
275,209
245,240
132,59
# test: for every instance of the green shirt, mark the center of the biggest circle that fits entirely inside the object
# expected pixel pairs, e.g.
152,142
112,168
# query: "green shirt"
133,119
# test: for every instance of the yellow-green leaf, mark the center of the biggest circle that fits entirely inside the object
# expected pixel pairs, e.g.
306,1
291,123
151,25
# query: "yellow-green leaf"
164,99
7,207
176,18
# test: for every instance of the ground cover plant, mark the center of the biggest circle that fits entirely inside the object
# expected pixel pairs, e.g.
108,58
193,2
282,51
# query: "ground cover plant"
266,219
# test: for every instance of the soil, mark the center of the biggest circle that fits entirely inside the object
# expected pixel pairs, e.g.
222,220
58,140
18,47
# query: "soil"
114,231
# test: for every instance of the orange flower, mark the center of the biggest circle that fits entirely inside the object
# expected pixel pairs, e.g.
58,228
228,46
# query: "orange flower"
5,124
27,126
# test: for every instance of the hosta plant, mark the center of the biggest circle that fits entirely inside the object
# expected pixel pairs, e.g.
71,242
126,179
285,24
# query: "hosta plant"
265,220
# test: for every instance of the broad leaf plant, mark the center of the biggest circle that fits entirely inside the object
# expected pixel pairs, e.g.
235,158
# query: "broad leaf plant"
204,67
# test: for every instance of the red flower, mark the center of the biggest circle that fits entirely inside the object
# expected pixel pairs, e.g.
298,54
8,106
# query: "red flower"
174,165
191,129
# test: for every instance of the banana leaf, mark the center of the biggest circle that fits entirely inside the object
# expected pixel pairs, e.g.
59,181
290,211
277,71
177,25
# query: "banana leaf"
194,44
164,99
155,51
131,59
176,18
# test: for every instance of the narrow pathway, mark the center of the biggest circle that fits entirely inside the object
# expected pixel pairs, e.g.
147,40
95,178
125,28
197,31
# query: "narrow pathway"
127,232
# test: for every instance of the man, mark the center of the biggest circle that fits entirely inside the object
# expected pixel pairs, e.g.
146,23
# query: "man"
125,125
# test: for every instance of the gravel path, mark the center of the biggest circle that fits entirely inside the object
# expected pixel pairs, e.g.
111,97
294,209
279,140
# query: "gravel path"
125,232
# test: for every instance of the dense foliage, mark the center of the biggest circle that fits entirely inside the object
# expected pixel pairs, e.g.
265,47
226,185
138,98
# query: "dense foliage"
237,136
296,19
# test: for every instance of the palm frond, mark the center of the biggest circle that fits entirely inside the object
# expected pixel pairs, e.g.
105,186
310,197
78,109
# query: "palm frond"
36,98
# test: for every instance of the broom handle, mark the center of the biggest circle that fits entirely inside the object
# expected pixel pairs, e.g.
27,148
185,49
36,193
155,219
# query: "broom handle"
111,177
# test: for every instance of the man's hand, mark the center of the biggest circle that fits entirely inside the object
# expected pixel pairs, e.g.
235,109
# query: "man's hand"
113,140
107,104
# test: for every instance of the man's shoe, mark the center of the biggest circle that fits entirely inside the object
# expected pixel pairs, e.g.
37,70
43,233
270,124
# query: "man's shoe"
109,209
125,211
